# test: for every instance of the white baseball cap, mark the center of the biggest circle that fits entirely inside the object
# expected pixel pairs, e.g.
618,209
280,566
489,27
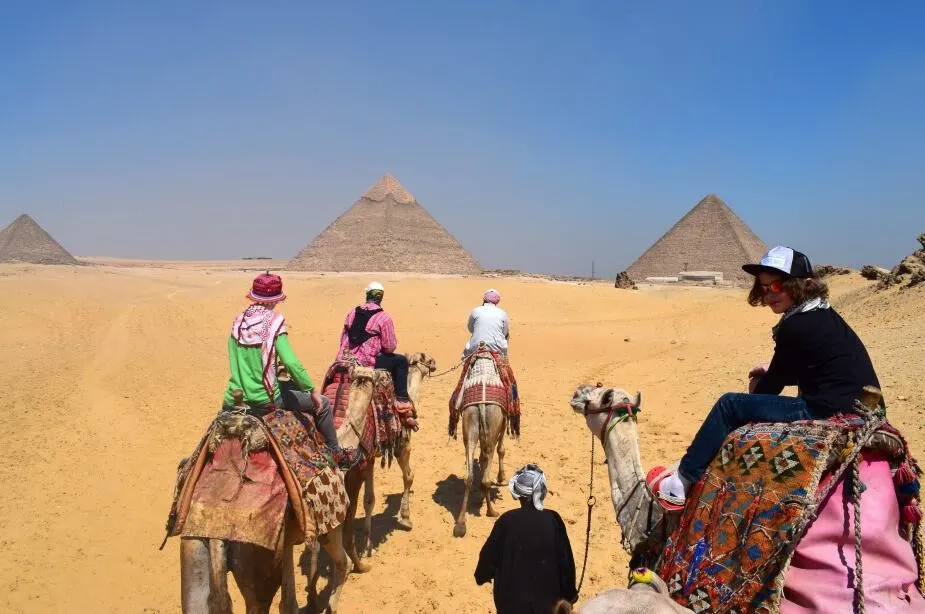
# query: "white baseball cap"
374,285
780,259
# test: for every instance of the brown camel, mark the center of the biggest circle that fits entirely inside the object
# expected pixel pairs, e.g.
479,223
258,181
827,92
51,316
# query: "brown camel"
348,435
258,571
483,425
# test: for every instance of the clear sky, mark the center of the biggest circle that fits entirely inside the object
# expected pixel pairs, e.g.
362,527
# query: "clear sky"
544,135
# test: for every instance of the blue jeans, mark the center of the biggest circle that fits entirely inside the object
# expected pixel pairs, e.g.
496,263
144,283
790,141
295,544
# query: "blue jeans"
731,411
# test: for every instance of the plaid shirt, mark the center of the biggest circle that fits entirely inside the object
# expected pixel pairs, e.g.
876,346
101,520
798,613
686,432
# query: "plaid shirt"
384,342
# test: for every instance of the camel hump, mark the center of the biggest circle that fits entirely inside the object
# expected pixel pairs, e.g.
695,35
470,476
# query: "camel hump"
238,396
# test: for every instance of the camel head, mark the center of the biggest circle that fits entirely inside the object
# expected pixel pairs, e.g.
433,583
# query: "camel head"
422,362
596,403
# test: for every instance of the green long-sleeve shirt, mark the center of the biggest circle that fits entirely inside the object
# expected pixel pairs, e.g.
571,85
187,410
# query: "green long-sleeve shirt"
247,371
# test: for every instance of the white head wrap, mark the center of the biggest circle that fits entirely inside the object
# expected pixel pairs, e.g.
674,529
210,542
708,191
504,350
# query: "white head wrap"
529,482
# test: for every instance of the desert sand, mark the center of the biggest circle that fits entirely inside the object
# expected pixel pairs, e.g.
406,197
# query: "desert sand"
113,372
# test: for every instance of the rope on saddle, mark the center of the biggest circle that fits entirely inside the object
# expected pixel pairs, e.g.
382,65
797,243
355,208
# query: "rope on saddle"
451,369
591,502
858,569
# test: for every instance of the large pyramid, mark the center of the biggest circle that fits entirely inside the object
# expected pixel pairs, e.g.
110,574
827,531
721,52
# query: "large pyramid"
386,230
25,241
710,237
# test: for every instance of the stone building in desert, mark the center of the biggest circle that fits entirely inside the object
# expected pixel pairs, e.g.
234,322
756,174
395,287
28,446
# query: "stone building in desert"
386,230
25,241
709,238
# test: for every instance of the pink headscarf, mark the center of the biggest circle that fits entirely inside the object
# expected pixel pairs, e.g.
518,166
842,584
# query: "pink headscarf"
491,296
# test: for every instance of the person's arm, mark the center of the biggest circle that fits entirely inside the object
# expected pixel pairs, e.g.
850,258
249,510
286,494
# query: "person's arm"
488,557
781,371
471,323
287,356
507,327
387,333
344,337
567,588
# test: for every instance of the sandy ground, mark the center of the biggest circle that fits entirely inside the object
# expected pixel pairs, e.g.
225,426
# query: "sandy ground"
112,373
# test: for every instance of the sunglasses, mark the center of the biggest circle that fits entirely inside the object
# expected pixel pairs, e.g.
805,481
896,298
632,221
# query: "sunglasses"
774,287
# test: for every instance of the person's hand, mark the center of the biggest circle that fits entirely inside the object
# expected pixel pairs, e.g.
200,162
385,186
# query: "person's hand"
316,399
758,370
754,376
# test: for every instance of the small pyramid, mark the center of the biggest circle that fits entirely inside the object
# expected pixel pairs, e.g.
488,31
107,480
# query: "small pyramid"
25,241
386,230
710,237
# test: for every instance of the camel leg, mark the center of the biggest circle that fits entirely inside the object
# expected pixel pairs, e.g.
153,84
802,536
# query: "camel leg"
369,503
288,603
502,479
353,480
258,574
488,443
312,587
334,544
470,440
195,575
407,476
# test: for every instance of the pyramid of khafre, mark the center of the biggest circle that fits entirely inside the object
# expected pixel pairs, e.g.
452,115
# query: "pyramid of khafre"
710,237
386,230
25,241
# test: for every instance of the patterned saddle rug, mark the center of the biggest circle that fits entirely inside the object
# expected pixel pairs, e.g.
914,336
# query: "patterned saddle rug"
737,534
244,475
384,431
486,377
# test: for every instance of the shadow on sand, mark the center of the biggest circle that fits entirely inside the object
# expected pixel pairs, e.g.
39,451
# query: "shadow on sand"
383,524
450,490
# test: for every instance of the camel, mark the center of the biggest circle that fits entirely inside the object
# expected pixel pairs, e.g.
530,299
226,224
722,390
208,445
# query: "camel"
259,572
610,414
483,425
419,366
646,594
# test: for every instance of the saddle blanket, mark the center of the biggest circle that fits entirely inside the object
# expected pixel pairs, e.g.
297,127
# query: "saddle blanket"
486,377
383,433
227,489
735,538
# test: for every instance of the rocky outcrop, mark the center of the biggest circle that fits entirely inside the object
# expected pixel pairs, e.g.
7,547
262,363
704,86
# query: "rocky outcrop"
623,282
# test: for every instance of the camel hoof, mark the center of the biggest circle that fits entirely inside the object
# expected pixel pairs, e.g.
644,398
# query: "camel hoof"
361,567
405,523
459,530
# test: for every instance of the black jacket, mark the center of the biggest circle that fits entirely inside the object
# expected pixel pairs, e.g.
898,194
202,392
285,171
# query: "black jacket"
819,352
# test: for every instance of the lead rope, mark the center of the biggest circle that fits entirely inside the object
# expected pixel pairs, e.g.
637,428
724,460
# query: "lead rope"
591,502
858,569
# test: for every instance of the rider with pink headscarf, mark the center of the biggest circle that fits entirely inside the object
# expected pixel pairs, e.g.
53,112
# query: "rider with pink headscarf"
489,324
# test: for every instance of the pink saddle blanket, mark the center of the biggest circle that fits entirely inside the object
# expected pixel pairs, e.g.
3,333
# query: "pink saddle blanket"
821,573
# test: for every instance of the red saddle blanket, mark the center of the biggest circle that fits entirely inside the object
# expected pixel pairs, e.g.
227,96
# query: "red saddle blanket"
383,432
499,388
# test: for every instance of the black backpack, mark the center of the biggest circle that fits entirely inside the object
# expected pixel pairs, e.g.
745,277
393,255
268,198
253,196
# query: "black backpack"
357,333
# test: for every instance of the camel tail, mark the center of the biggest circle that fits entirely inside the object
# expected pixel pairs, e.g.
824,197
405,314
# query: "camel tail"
485,442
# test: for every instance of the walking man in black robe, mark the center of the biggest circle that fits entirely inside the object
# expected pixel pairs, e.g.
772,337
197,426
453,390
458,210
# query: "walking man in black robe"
528,554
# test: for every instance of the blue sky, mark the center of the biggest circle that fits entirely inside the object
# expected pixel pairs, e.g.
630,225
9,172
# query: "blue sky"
544,135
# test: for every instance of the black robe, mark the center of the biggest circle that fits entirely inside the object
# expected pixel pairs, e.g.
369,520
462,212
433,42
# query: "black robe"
529,557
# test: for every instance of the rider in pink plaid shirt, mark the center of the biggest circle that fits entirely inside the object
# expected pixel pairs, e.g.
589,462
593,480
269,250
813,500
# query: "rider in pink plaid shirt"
374,343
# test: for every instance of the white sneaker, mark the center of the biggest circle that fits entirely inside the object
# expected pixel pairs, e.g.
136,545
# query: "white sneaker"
673,489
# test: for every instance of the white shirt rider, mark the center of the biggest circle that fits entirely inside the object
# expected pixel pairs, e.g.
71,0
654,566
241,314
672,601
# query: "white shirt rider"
489,324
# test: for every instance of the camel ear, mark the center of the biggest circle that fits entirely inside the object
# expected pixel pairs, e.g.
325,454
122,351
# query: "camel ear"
637,400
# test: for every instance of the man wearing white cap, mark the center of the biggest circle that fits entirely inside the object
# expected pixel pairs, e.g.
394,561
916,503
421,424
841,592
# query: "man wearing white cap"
369,334
488,324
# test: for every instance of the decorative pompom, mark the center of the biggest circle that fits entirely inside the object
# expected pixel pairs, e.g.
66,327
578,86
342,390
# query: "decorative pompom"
911,513
903,475
908,490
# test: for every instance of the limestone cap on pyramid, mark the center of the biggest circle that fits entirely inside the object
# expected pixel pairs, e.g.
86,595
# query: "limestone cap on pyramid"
709,237
25,241
386,230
